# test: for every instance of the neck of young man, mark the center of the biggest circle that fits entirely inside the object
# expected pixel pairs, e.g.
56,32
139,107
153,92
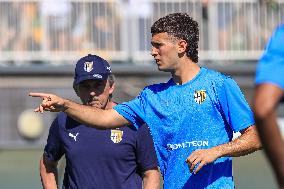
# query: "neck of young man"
110,104
185,72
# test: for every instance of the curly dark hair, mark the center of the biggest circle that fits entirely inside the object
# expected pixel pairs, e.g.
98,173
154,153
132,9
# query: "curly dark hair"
180,26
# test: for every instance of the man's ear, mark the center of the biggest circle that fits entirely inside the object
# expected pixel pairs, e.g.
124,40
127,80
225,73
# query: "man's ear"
111,88
182,45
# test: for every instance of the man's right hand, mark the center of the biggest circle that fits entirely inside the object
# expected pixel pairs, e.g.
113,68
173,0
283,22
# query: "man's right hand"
50,102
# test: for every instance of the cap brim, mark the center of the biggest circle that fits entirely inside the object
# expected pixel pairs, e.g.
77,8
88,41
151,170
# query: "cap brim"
90,77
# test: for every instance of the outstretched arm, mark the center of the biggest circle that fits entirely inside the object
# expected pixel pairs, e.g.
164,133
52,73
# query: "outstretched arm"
93,117
247,143
266,99
48,173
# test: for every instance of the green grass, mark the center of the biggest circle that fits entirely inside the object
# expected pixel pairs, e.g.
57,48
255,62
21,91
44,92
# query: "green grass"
19,169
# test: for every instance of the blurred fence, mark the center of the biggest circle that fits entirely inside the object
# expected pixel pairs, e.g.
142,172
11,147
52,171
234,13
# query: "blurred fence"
119,30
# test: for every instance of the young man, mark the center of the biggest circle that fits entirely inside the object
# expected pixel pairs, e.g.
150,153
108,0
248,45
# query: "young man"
115,158
269,91
191,117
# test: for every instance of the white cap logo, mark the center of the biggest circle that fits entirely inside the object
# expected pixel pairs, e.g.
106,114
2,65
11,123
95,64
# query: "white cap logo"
108,68
98,76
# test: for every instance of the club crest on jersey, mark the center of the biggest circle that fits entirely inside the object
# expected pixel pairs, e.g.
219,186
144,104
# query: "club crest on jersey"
116,136
199,96
88,66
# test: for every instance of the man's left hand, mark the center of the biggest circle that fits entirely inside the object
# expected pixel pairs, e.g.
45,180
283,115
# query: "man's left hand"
203,157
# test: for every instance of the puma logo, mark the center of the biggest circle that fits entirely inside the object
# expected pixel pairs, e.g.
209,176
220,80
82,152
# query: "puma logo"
73,136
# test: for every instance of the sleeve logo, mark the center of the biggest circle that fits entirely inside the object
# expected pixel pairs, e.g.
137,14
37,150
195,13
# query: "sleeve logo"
199,96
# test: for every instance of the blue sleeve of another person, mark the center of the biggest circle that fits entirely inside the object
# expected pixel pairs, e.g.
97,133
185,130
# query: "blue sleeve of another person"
53,149
234,106
146,155
133,110
270,68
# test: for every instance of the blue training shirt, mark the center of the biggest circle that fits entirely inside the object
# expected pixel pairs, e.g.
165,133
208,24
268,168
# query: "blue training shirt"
199,114
108,159
270,68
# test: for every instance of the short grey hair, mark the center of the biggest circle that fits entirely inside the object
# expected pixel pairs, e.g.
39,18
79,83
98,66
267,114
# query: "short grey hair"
111,79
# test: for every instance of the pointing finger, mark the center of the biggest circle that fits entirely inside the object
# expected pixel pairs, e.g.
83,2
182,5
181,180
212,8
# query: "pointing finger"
42,95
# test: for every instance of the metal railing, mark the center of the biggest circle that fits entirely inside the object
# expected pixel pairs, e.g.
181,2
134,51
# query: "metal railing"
119,30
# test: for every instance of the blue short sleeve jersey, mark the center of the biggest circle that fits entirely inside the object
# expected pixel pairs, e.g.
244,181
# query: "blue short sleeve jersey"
270,68
199,114
109,159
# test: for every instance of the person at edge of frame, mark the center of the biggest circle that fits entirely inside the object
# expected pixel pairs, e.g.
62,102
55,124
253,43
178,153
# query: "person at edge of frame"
269,92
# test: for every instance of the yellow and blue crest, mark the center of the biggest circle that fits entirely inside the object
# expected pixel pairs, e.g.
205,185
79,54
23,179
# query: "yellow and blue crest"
199,96
116,135
88,66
